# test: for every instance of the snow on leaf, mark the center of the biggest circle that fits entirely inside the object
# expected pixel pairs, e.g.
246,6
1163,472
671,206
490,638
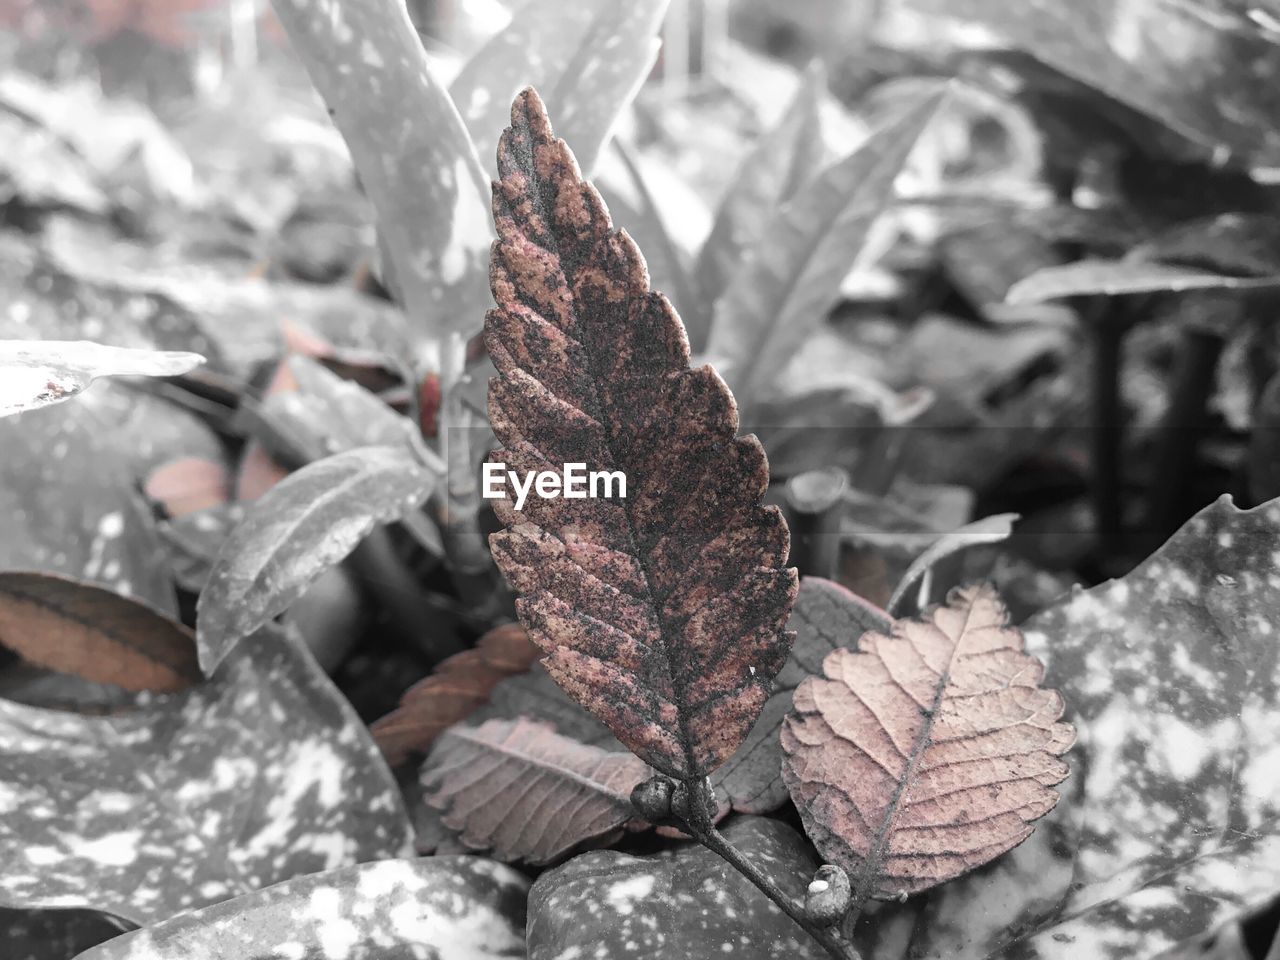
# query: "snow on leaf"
927,752
260,774
298,530
461,907
36,373
663,611
84,630
526,792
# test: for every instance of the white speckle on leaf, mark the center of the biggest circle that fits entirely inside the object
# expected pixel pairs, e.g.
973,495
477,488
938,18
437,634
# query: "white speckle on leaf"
114,849
623,895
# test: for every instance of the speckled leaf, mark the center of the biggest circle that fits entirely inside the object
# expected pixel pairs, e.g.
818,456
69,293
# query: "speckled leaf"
443,907
261,774
36,373
453,691
70,507
662,612
296,532
783,160
993,529
927,752
81,629
587,59
410,147
790,278
684,902
1117,278
826,617
525,792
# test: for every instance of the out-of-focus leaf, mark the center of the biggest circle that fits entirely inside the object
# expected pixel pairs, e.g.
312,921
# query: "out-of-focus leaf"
35,373
1117,278
441,907
296,532
785,158
526,792
679,586
587,60
927,752
993,529
188,485
261,774
81,629
52,934
41,170
790,278
826,617
683,902
412,153
193,541
1235,244
1264,445
1168,826
458,686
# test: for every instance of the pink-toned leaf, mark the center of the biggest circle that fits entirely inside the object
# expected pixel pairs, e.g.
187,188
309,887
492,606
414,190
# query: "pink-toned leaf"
188,485
664,611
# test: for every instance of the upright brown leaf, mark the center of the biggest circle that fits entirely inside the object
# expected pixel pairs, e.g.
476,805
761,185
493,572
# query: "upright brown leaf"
926,753
526,792
458,686
662,612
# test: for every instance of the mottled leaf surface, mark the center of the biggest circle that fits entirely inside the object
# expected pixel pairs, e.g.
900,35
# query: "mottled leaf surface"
664,612
928,751
826,617
525,792
442,907
1117,278
683,902
453,691
297,531
36,373
790,277
260,774
82,629
587,59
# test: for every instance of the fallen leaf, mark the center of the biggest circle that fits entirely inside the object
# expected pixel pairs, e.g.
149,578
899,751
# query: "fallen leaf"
36,373
525,792
188,485
1117,278
662,612
928,752
452,692
682,902
297,531
443,907
84,630
261,774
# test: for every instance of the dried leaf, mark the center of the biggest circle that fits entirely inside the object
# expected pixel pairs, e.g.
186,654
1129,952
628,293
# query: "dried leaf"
1118,278
993,529
663,612
81,629
826,617
35,373
683,902
789,281
458,686
188,485
441,907
526,792
261,774
928,752
588,59
296,532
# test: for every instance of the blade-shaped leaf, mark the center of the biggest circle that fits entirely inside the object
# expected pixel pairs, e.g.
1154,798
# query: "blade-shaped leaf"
588,59
1118,278
437,907
36,373
662,610
297,531
458,686
826,617
81,629
928,752
790,278
784,159
260,774
993,529
526,792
